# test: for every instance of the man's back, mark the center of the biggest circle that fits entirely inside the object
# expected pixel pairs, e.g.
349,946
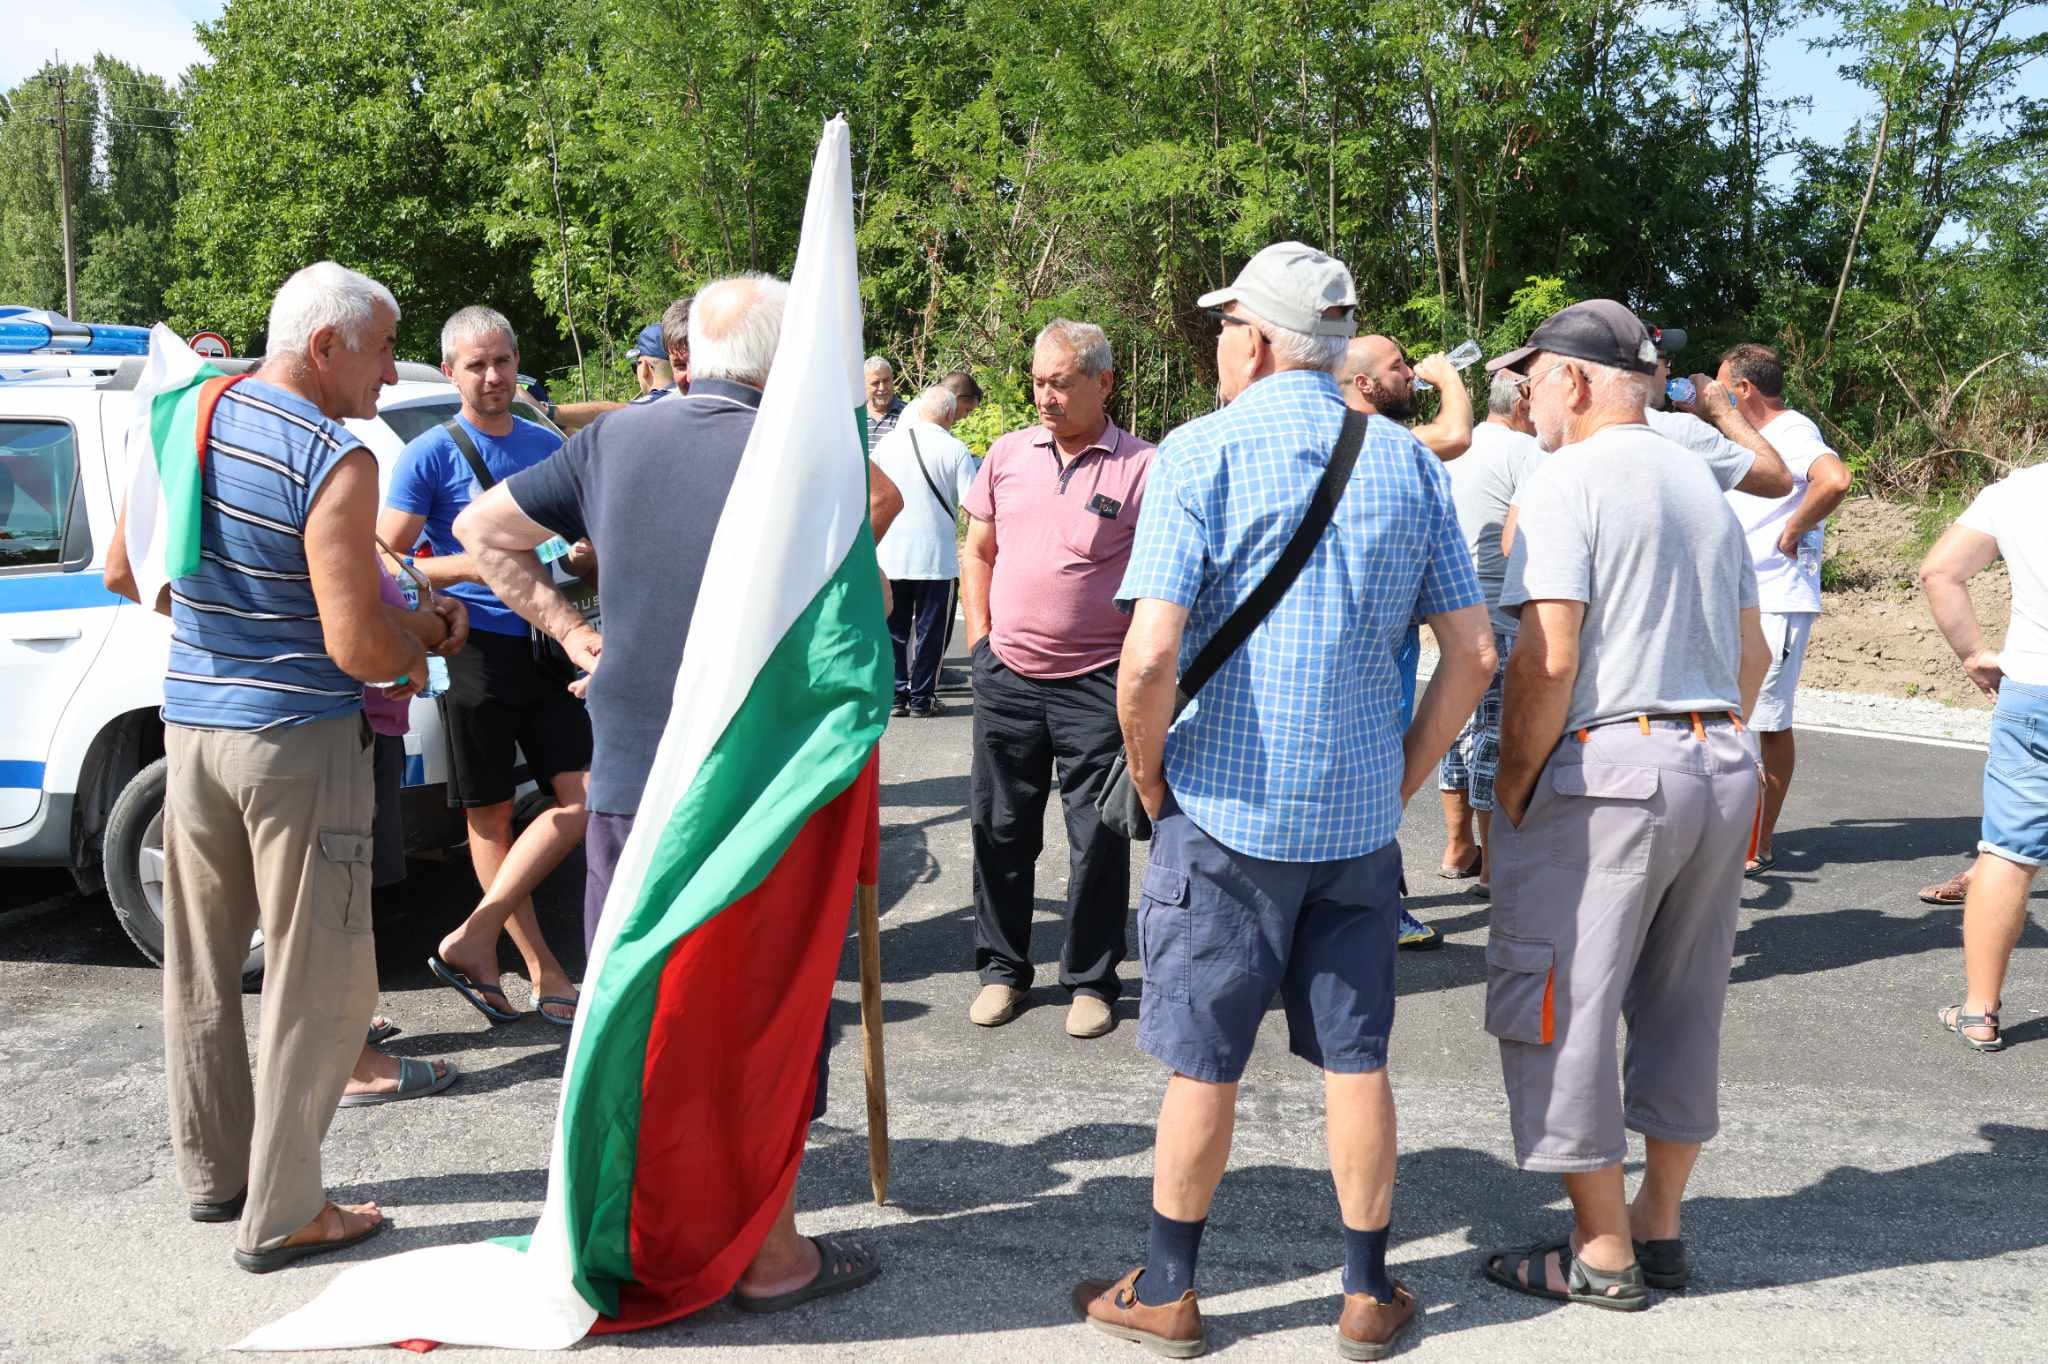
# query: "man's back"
1635,527
1293,749
247,649
647,486
922,543
1785,584
1483,484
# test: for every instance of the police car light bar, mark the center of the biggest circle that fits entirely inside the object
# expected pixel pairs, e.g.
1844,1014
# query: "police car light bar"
26,331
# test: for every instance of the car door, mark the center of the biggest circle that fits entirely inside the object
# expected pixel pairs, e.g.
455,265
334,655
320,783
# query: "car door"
55,613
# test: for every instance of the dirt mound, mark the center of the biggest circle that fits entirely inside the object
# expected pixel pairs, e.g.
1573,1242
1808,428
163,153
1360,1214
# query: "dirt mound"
1874,633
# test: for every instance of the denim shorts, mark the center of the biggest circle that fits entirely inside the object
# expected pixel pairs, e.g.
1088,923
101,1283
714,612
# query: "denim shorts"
1220,932
2016,777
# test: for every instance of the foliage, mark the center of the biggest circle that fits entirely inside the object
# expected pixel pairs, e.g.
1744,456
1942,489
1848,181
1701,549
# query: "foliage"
580,163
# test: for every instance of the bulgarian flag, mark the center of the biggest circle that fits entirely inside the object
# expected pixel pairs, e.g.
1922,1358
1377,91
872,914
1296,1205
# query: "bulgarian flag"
174,402
692,1065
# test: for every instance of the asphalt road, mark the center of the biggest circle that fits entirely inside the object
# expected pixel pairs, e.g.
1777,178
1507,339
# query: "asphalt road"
1876,1192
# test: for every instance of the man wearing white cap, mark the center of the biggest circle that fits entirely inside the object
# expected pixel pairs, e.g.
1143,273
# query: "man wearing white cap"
1276,793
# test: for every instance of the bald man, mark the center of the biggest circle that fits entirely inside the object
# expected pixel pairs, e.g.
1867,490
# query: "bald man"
1376,377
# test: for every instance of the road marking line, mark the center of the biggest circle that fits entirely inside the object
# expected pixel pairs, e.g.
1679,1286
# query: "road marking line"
1963,744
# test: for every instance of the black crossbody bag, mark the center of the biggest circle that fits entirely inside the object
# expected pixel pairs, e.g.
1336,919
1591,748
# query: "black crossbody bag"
952,513
1118,804
548,654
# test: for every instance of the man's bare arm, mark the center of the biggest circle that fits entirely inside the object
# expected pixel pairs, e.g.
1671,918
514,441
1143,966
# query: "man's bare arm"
573,417
1466,659
977,571
884,500
401,531
361,639
1536,699
1959,555
501,540
1147,679
1827,483
119,574
1450,435
1767,476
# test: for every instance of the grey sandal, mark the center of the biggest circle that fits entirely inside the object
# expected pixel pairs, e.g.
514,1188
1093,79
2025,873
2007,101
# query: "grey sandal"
1955,1020
1617,1292
1664,1264
843,1263
416,1080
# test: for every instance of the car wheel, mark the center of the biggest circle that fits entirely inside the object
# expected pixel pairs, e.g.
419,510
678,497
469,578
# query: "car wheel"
133,856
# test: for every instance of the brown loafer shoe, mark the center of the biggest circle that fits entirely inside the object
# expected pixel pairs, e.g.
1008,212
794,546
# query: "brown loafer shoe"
995,1006
1174,1330
1368,1327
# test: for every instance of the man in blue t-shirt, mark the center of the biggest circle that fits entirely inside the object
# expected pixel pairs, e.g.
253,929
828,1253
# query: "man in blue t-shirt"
502,701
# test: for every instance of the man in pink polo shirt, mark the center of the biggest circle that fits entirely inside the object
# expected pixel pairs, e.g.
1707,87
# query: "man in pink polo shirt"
1051,517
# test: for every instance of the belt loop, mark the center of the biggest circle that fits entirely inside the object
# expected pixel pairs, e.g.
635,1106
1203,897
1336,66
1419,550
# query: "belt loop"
1643,723
1735,720
1699,727
1585,736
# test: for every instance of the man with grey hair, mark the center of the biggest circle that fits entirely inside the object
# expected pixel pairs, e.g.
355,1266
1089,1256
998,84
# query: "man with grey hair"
1043,637
920,554
1624,800
268,811
504,703
1483,483
1276,793
647,487
885,409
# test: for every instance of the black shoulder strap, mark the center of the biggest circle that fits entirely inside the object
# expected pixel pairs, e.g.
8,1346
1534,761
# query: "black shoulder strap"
1321,507
469,452
929,481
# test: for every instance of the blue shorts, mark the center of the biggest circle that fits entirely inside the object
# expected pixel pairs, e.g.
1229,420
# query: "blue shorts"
2016,777
1219,932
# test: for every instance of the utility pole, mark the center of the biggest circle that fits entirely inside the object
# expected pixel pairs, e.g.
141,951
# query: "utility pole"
64,197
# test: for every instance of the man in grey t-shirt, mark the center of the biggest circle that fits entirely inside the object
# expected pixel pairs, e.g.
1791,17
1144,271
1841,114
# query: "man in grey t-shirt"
1483,483
1626,790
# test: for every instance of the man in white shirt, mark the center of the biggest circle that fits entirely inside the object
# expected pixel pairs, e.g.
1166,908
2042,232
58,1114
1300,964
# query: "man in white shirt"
920,554
1713,427
1483,484
2005,520
1785,535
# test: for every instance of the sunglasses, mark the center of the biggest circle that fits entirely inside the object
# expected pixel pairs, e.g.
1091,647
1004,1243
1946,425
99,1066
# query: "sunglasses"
1227,319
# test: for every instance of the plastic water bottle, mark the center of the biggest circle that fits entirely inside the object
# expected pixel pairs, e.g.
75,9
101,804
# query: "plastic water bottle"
437,667
1809,554
1680,390
1464,355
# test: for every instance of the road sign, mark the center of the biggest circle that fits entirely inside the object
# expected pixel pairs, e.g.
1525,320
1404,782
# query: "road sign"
212,345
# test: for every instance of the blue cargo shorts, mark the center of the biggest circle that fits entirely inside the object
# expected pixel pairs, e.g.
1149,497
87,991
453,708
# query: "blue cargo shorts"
2016,777
1220,932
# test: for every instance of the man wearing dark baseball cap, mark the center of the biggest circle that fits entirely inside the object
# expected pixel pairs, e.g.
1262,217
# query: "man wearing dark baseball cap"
1623,803
1712,427
651,370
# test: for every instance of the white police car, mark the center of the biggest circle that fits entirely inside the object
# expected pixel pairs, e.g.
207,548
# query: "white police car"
81,670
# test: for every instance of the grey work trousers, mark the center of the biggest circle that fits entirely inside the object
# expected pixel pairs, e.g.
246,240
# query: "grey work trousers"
268,829
1616,899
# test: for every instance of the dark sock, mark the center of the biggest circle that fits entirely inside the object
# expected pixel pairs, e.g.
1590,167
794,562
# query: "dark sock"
1365,1263
1170,1264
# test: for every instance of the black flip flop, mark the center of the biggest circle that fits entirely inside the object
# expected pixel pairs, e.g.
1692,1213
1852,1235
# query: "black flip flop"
277,1257
472,990
416,1080
1763,864
381,1032
843,1263
1617,1292
540,1007
1464,873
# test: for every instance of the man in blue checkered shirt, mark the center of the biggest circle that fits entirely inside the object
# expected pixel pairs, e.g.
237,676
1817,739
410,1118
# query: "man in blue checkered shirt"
1276,795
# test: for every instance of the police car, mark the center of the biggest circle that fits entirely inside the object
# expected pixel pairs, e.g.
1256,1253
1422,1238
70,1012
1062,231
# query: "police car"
81,670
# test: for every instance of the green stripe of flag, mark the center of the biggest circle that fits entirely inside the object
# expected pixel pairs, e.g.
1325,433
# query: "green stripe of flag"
173,436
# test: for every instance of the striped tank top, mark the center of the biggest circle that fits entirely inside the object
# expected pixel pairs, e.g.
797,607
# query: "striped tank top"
246,647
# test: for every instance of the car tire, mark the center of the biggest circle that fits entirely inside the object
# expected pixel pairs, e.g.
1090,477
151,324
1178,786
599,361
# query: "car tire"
133,857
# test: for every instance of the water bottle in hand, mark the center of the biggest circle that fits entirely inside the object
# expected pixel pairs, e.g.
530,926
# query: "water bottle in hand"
1680,390
1465,354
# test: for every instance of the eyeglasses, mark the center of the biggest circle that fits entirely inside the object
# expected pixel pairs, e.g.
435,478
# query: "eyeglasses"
1531,382
1227,319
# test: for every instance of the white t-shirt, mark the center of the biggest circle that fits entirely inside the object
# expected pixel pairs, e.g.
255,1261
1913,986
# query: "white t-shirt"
1729,461
1782,584
921,542
2012,511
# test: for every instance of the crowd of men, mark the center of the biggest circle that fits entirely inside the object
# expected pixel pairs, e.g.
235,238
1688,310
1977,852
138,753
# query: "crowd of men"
1620,590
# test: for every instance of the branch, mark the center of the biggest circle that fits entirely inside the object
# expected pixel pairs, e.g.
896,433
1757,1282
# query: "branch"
1884,127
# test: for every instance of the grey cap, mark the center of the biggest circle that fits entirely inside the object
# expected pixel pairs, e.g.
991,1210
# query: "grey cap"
1292,285
1599,330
